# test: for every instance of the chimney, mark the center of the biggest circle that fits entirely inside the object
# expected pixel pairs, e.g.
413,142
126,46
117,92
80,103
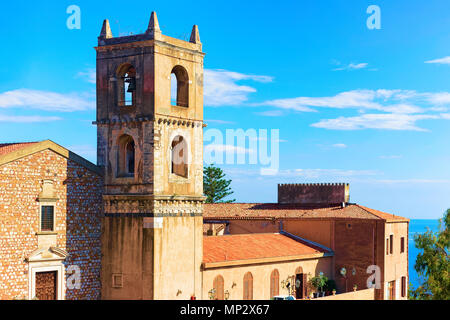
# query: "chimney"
314,193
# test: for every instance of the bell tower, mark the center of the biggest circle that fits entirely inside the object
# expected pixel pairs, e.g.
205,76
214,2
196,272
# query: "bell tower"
150,147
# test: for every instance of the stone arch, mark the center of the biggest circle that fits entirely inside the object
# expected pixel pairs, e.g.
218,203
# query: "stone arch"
126,84
179,87
179,156
126,156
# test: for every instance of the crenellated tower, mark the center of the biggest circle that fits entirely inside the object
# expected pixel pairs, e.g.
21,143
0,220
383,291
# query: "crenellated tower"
150,147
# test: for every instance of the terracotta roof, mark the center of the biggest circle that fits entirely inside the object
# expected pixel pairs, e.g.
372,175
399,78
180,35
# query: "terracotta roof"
275,210
384,215
253,246
6,148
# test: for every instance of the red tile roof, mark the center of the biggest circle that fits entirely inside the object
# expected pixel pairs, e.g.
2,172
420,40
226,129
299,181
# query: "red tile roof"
221,211
253,246
6,148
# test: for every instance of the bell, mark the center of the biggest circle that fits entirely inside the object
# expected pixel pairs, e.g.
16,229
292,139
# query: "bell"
131,84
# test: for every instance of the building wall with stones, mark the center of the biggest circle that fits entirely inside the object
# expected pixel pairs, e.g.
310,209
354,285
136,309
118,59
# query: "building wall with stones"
77,208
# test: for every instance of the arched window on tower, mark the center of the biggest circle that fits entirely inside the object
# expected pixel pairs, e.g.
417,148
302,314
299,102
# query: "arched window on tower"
126,156
130,157
179,87
126,85
179,157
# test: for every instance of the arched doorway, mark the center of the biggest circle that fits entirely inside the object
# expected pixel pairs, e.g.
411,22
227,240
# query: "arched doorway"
300,284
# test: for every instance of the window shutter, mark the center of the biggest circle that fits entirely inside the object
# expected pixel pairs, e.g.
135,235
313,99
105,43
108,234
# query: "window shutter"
274,283
47,218
391,243
218,286
403,287
248,286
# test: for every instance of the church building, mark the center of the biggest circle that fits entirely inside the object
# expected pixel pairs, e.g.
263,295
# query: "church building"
135,225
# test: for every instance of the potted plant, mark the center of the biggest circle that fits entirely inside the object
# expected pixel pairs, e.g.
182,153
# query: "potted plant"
334,292
355,287
319,283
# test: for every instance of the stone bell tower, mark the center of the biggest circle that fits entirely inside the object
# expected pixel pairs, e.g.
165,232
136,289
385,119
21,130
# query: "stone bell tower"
150,147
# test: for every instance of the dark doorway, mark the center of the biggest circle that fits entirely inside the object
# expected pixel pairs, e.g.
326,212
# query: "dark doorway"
46,285
300,286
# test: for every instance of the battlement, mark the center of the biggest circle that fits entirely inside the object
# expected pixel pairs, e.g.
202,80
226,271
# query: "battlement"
314,193
153,32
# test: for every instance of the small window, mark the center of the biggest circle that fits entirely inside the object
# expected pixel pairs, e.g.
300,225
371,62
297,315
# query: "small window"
179,165
117,280
248,286
387,246
218,287
179,87
403,287
402,244
47,218
391,244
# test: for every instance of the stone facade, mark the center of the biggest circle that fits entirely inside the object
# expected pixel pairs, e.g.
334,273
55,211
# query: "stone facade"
77,207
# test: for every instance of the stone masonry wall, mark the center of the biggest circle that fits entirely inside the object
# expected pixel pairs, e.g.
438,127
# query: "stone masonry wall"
77,216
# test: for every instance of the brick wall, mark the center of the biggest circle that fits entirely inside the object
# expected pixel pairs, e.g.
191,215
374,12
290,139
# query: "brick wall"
77,217
313,193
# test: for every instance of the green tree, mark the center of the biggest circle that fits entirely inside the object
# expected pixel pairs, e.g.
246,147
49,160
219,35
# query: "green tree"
215,186
433,264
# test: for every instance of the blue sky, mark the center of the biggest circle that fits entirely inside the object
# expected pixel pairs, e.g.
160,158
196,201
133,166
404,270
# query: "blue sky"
368,107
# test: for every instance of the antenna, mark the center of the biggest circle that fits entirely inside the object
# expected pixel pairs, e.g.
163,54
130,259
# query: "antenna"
118,27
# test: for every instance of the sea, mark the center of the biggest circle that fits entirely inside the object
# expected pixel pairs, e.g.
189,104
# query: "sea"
417,226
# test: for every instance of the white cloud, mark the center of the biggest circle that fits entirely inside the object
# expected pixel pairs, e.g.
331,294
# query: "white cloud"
331,174
46,100
381,100
227,149
27,119
221,88
361,99
340,145
445,60
270,113
88,75
219,121
438,98
389,109
265,139
352,66
374,121
409,181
